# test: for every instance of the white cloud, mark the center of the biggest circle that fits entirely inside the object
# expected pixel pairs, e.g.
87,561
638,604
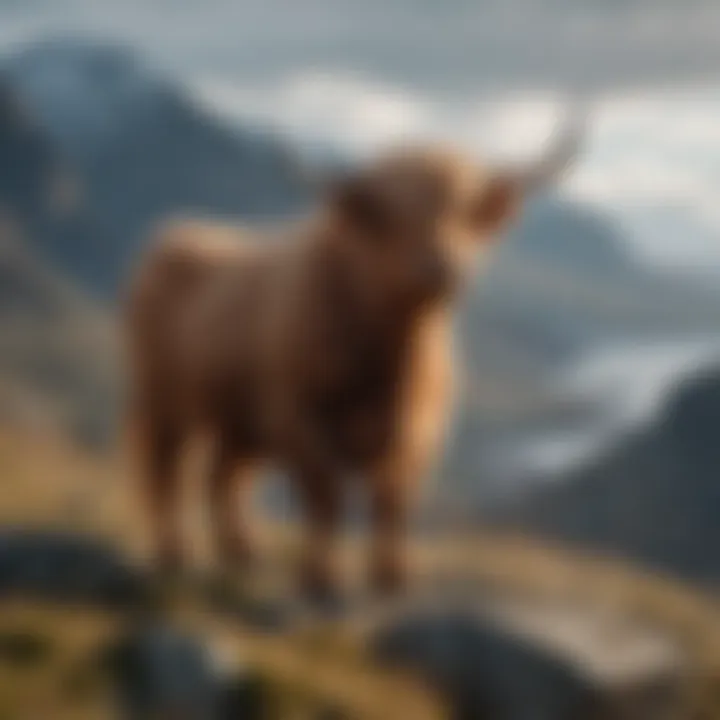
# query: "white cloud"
354,116
655,161
360,117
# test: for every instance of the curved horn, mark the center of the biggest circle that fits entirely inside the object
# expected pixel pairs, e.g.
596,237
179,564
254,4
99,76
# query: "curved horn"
563,150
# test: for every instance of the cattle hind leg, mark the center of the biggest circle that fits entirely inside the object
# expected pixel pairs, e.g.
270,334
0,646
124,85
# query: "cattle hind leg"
160,445
230,487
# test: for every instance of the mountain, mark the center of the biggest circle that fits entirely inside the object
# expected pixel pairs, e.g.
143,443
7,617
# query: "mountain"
56,355
566,266
655,499
35,180
142,150
574,238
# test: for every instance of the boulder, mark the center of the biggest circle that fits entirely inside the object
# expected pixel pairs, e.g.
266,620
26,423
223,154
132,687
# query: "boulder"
159,671
56,565
505,662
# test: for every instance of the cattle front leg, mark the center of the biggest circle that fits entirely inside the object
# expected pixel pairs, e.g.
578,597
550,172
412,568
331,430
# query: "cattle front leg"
230,499
318,474
390,500
394,486
321,498
395,481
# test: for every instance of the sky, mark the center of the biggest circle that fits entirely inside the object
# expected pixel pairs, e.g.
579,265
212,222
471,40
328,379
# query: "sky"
493,76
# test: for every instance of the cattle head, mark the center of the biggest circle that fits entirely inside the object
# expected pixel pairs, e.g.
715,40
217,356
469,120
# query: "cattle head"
413,220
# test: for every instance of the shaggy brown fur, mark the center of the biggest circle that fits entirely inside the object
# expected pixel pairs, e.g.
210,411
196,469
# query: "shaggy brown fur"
324,348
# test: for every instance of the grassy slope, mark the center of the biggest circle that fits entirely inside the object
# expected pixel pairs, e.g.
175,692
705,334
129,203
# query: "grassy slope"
45,483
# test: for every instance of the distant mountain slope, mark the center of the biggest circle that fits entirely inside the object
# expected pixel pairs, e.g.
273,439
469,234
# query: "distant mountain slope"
571,238
58,364
567,265
56,360
656,499
142,150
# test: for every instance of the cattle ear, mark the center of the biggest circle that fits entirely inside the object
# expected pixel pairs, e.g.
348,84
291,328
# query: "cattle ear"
497,203
358,203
